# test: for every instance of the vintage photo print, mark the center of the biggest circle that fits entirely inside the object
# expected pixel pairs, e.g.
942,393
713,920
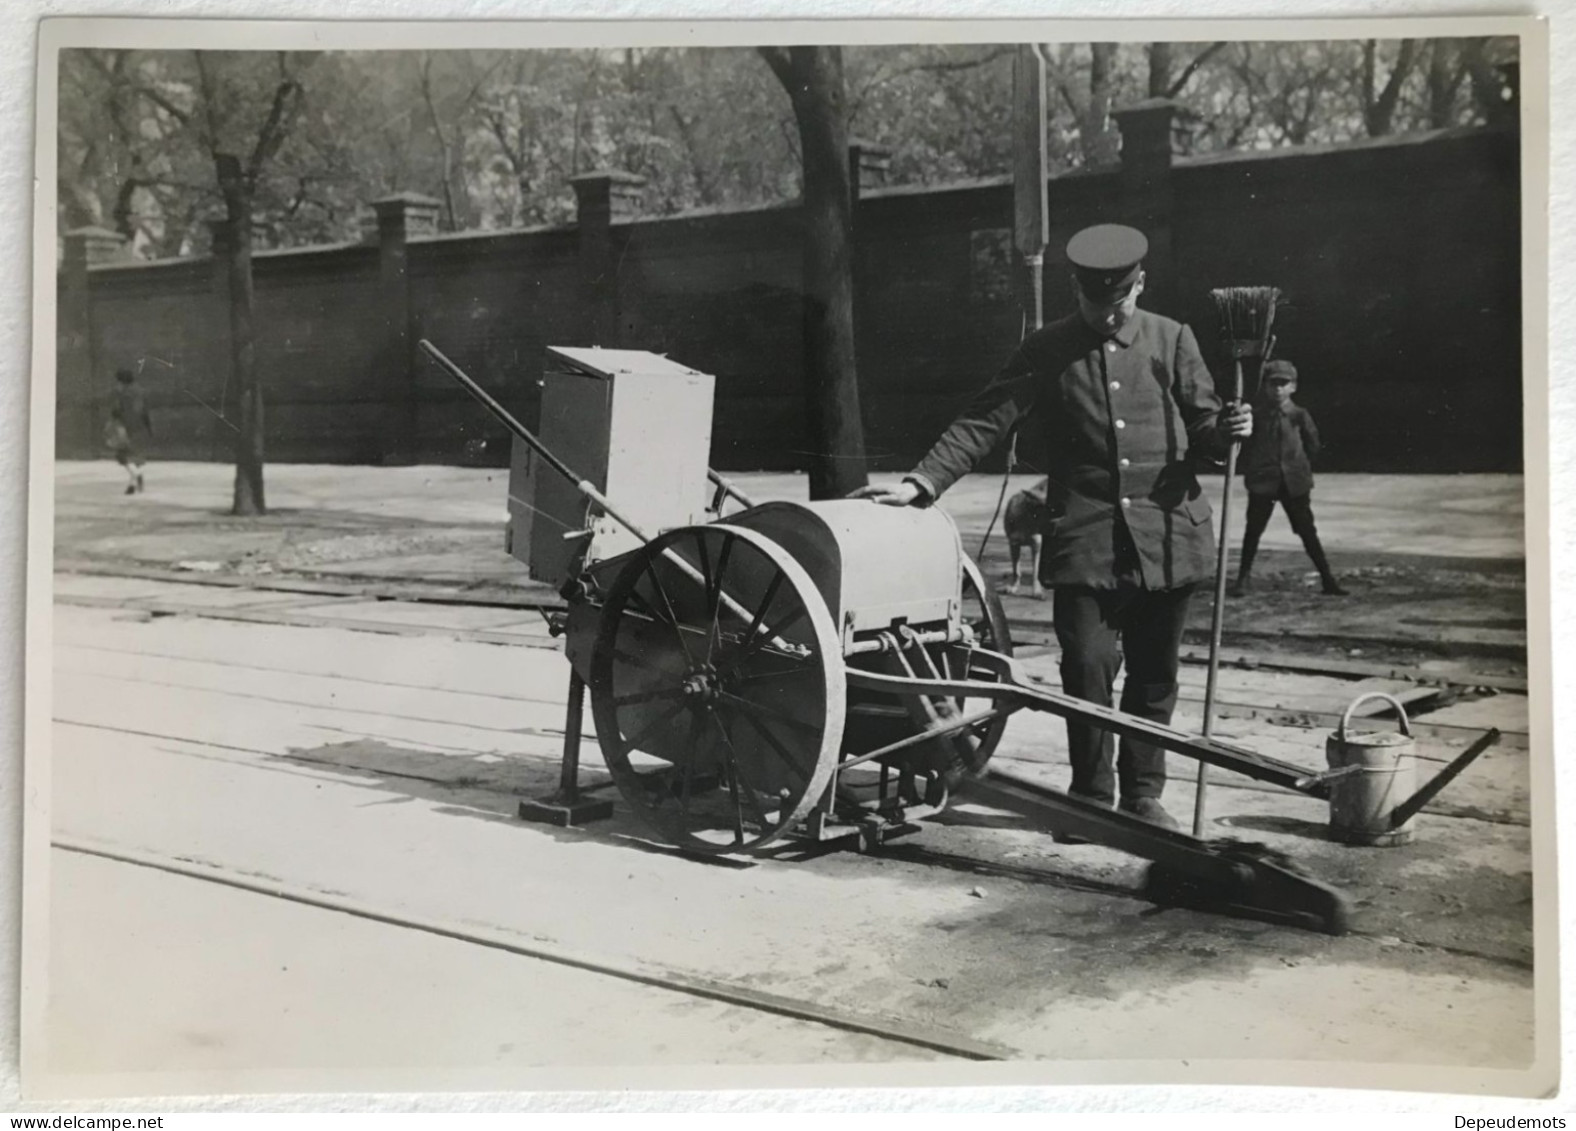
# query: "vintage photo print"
748,555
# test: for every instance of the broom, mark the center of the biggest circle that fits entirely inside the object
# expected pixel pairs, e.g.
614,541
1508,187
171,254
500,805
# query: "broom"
1245,316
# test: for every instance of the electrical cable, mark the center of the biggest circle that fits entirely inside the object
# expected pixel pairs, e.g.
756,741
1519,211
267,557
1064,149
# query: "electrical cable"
1012,461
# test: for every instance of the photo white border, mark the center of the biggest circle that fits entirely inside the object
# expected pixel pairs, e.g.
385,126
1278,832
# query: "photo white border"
254,36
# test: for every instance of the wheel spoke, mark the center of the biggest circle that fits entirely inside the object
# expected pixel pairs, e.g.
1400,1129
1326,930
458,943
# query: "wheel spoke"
630,743
754,643
636,597
805,667
738,776
756,639
705,581
633,660
776,744
714,597
766,603
697,723
752,705
738,811
635,697
673,621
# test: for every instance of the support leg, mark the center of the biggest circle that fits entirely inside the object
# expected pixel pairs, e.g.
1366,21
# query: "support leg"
567,808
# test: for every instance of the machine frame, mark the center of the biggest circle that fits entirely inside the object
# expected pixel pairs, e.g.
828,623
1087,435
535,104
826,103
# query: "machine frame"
751,681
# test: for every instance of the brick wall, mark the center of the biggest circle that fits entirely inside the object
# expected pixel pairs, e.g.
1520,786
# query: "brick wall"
1399,259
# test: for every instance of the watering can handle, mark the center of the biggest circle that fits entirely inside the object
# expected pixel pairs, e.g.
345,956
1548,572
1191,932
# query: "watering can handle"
1406,726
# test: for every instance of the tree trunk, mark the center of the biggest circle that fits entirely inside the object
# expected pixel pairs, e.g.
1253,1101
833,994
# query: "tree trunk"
248,498
1379,107
1444,80
1100,141
813,77
1160,70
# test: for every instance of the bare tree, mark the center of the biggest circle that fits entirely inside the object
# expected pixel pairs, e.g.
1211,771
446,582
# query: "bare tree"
1161,57
1091,110
1379,105
814,80
238,179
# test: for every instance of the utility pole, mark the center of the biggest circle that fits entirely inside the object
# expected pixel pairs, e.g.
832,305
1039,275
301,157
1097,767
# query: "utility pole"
1030,206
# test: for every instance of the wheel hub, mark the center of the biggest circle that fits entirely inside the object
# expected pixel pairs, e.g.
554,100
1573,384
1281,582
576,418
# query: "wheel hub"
701,684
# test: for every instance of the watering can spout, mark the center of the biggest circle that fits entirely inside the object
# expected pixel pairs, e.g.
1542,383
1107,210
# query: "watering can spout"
1409,808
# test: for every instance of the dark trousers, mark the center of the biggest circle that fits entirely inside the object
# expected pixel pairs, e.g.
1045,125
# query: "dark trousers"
1299,509
1148,624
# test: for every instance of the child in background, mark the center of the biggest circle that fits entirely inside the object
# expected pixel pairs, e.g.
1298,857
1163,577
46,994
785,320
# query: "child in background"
1277,465
129,423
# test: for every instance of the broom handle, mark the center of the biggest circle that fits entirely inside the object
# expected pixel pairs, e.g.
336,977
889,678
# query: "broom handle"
1217,619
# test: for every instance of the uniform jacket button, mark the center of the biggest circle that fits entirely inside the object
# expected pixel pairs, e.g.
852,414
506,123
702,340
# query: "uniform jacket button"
1121,424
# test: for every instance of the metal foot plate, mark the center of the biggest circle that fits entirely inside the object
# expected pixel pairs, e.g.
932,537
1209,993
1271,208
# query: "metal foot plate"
565,814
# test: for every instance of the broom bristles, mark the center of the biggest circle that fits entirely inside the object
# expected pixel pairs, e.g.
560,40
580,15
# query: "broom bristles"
1245,313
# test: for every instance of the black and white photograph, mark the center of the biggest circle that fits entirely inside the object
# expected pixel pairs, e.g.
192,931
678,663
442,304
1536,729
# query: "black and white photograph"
735,556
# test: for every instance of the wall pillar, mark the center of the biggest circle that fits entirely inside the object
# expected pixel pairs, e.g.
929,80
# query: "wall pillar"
399,217
79,413
1147,195
868,165
601,199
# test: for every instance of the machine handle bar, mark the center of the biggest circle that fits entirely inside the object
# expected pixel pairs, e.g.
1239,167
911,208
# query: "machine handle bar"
1012,690
506,418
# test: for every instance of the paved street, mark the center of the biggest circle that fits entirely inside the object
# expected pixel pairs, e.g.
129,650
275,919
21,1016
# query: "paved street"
367,755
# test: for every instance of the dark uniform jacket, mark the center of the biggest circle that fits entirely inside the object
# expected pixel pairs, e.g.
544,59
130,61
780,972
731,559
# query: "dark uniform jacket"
1121,418
1276,457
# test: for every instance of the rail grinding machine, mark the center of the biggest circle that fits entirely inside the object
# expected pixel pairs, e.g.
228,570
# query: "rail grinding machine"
817,670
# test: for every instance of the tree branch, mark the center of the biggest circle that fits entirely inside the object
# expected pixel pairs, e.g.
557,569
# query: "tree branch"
781,63
164,104
287,100
1384,108
954,65
1067,97
1191,69
205,84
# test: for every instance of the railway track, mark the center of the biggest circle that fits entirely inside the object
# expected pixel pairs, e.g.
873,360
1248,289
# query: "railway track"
329,605
1032,633
896,1030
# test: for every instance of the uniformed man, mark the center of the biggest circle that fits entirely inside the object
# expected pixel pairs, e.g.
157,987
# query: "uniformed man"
1127,406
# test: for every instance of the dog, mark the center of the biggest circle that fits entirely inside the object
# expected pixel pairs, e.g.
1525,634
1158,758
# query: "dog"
1022,521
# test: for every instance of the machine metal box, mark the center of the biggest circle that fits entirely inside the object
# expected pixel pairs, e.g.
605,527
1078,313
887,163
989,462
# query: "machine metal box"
635,424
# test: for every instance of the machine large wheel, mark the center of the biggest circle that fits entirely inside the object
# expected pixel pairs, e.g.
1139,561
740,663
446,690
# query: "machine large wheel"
983,613
718,688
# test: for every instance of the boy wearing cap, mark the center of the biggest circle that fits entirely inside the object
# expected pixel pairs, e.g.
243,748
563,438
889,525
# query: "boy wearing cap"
1277,466
1126,405
129,423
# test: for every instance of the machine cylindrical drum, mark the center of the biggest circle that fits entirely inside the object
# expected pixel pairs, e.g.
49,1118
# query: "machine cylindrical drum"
1381,773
